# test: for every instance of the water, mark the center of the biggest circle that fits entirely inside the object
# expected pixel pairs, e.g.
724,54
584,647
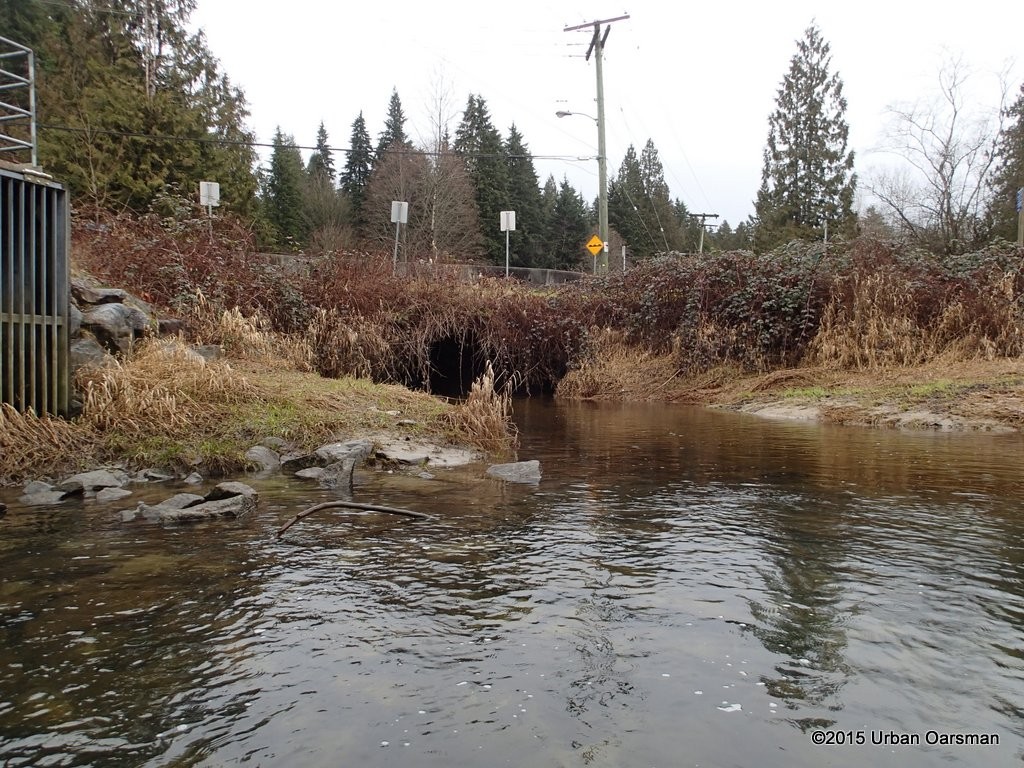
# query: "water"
684,588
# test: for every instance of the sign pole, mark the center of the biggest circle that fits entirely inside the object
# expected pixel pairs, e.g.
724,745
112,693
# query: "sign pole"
1020,216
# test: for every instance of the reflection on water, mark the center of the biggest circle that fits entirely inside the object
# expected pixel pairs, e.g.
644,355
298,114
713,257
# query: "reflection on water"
685,587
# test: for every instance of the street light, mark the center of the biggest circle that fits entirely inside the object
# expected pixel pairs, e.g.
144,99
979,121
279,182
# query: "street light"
602,176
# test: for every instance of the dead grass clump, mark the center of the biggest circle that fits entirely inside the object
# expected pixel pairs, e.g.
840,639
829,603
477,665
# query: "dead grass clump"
29,442
355,347
874,328
613,369
484,419
249,337
164,387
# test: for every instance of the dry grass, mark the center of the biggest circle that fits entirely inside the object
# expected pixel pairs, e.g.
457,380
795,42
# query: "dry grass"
880,325
168,407
612,369
484,419
33,446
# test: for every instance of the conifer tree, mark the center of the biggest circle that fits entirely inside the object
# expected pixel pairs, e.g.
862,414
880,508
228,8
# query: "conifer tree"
393,136
639,207
807,181
283,199
321,164
1009,175
479,144
524,197
356,174
570,223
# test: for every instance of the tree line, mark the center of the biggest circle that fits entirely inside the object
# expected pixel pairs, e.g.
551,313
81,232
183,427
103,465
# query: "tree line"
134,111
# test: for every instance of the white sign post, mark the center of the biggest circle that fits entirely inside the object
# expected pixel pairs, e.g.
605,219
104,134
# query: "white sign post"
399,216
508,224
209,196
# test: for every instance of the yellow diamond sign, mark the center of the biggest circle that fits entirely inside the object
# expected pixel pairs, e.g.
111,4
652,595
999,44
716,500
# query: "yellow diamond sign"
595,245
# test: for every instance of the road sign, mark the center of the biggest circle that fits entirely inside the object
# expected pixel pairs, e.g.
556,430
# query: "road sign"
595,245
209,194
508,221
399,212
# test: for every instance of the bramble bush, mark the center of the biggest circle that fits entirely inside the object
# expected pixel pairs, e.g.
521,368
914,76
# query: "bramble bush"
861,304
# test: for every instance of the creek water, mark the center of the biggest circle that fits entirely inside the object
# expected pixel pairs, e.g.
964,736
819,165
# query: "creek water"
684,588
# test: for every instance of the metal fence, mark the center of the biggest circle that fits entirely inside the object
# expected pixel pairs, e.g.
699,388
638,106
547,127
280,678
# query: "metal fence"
34,276
17,102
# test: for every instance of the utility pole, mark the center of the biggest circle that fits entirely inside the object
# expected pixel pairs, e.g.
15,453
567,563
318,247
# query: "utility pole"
597,43
703,217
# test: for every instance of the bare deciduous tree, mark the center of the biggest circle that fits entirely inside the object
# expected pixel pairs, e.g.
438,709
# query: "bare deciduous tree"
939,195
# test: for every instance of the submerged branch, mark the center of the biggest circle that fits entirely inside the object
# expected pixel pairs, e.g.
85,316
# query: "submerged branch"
351,505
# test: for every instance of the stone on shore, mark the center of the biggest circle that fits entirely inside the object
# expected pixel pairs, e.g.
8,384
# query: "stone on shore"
85,482
267,459
527,472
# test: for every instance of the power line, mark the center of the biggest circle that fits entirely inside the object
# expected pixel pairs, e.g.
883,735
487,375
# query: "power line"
254,143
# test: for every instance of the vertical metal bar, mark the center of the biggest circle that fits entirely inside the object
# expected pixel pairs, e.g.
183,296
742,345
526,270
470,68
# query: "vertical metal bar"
31,319
32,105
19,287
6,283
61,307
45,311
8,302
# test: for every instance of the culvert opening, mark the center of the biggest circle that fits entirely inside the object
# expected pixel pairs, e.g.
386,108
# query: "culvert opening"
454,365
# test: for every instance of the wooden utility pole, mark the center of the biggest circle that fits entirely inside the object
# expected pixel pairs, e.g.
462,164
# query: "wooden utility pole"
703,217
597,43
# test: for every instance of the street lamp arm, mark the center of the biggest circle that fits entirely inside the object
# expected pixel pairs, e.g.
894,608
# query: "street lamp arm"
566,113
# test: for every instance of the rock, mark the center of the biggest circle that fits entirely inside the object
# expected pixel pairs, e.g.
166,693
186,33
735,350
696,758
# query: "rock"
112,494
209,352
416,453
193,479
293,462
42,498
354,449
228,499
228,489
232,506
74,321
89,481
267,459
87,353
183,500
406,423
170,326
517,472
338,475
274,443
310,473
157,475
36,486
424,476
115,325
87,294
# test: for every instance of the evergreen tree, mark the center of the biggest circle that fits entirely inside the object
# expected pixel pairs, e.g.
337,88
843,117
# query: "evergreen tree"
321,164
639,208
524,197
356,175
115,81
1009,176
284,192
393,136
479,144
807,182
569,227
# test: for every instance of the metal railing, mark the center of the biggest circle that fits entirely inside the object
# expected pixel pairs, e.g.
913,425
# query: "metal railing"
17,102
34,308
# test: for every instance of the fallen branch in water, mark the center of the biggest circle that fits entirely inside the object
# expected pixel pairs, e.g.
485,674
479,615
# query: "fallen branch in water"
351,505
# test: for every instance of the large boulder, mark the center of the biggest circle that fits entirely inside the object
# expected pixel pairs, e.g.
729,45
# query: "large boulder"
226,500
266,459
115,325
87,352
85,482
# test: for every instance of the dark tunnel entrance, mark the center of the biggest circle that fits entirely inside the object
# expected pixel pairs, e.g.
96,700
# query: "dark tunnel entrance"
454,365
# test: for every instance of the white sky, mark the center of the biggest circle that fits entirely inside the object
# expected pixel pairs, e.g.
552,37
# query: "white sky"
700,79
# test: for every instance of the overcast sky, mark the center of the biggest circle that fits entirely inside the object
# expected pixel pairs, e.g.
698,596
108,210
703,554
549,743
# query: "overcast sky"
700,79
